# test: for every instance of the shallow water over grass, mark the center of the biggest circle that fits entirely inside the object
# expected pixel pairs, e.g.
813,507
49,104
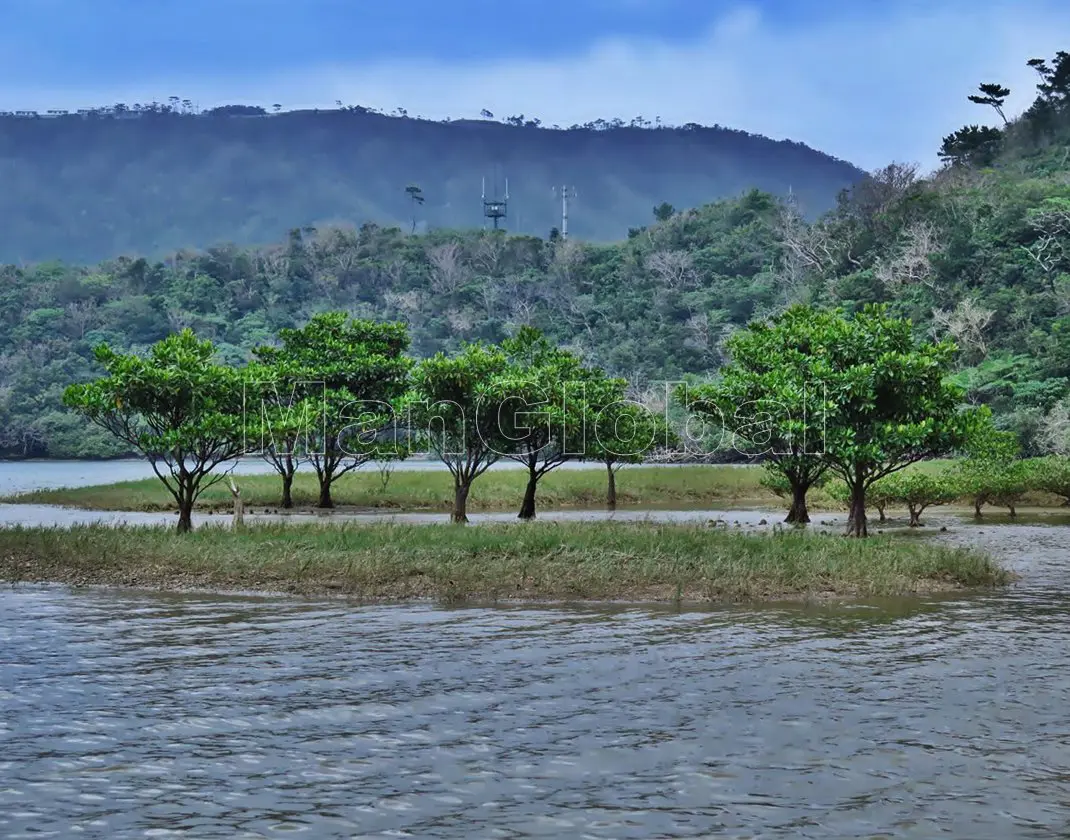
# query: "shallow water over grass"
24,476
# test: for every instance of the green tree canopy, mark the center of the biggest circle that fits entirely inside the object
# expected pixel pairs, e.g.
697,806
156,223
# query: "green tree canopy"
416,197
769,397
887,401
972,145
919,490
462,408
353,371
550,407
992,94
176,405
624,431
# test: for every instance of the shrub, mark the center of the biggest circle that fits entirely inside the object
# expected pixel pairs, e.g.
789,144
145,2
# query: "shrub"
919,490
1052,475
875,496
777,483
998,482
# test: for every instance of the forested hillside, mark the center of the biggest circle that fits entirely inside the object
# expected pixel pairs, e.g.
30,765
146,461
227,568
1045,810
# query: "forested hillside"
981,251
148,179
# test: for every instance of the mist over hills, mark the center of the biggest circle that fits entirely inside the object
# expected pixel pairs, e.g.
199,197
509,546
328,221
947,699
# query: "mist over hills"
151,179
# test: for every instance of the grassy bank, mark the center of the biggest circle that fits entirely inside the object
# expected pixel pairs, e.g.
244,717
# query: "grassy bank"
648,487
563,562
497,490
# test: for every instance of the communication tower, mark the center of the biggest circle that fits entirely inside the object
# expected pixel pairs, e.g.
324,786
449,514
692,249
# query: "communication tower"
495,208
566,193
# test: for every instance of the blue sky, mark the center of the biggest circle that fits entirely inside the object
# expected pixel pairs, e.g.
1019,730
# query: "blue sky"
867,81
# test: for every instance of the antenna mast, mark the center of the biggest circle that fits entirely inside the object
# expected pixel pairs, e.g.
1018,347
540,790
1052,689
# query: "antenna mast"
495,208
567,192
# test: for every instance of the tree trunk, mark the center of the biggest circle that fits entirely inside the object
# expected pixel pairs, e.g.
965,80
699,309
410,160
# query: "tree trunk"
797,513
1014,513
325,500
915,515
880,513
977,507
460,503
856,521
611,489
287,490
527,507
185,512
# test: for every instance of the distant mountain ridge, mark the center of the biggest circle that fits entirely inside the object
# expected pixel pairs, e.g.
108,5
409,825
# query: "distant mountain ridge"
149,180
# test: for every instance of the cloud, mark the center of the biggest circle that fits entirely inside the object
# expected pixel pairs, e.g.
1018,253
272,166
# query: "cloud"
868,87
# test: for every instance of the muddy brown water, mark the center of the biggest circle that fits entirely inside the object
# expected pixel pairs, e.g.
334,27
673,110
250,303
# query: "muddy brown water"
129,714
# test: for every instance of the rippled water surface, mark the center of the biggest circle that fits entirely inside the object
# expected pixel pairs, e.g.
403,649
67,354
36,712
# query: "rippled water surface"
130,715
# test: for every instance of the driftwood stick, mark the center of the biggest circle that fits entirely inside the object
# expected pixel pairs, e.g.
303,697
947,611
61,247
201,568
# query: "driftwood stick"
239,504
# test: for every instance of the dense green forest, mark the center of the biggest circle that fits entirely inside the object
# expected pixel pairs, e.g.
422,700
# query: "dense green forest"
980,252
150,179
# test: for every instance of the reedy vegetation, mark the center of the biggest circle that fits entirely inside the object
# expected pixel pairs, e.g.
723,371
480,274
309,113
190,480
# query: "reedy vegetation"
586,561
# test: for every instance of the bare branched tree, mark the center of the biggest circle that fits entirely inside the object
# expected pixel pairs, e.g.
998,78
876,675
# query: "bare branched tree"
809,247
966,324
490,292
1046,251
178,319
391,273
82,314
726,332
448,272
521,313
1054,432
882,188
275,263
1051,248
24,436
489,253
406,303
675,269
521,298
562,279
569,254
699,335
583,311
790,278
969,196
910,262
461,321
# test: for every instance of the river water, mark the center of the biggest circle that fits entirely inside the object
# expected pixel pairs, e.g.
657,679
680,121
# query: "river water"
128,714
23,476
